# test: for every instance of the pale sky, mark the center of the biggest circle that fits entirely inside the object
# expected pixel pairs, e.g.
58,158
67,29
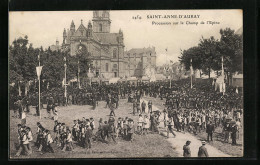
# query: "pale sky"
44,27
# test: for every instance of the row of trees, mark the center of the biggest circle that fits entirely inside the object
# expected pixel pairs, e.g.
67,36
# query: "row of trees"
207,55
23,59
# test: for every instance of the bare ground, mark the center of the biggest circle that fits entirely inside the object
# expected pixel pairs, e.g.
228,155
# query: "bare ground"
151,145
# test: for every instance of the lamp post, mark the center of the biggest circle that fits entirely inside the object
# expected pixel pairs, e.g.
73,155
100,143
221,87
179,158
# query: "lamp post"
38,71
65,81
191,70
78,74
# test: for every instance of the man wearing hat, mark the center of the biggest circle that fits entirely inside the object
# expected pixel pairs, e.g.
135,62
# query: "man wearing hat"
112,108
23,144
233,130
119,127
203,150
146,125
170,128
75,130
150,105
143,106
131,130
134,106
88,135
92,123
49,141
186,149
209,130
140,124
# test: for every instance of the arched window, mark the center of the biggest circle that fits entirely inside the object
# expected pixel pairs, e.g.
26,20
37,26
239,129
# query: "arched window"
106,67
100,27
115,53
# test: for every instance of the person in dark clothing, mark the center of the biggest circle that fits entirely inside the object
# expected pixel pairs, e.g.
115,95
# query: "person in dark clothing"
233,134
143,107
88,135
150,105
112,108
209,130
203,150
186,149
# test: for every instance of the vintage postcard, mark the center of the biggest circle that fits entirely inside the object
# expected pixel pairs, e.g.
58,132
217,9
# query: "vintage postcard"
126,84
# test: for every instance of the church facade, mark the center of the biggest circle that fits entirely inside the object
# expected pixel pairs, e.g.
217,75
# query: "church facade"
105,49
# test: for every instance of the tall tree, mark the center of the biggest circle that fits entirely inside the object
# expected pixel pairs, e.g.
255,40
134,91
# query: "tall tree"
231,48
194,53
209,54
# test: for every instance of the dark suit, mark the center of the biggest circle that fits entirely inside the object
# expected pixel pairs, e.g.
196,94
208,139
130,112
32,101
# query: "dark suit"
203,152
209,130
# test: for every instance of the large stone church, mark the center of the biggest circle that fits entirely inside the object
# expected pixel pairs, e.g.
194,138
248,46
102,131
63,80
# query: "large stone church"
104,48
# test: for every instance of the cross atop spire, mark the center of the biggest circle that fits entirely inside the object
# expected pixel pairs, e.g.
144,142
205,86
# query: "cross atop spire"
81,21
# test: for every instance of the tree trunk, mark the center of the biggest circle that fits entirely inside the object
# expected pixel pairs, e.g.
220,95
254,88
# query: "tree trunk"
209,73
228,79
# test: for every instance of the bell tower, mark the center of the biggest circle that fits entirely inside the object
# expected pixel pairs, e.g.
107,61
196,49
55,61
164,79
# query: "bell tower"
101,22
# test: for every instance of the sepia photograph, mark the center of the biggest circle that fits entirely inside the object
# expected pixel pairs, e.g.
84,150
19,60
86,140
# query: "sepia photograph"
126,84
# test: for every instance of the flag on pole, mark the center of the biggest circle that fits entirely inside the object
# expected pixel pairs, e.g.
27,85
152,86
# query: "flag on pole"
38,70
222,67
19,89
223,76
191,72
63,82
191,68
78,67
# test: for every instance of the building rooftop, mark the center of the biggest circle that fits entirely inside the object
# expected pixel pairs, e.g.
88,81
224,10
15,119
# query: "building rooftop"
140,51
107,38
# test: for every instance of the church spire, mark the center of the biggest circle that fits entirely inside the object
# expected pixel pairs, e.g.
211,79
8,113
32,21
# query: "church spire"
64,35
72,26
89,25
64,32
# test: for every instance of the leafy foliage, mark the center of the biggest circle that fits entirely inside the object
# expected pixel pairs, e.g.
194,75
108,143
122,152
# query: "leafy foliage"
208,53
23,59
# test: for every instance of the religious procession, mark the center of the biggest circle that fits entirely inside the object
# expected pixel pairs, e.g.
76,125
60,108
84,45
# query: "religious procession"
195,110
92,97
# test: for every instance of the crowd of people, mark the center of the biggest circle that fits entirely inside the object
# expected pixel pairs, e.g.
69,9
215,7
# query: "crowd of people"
198,109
